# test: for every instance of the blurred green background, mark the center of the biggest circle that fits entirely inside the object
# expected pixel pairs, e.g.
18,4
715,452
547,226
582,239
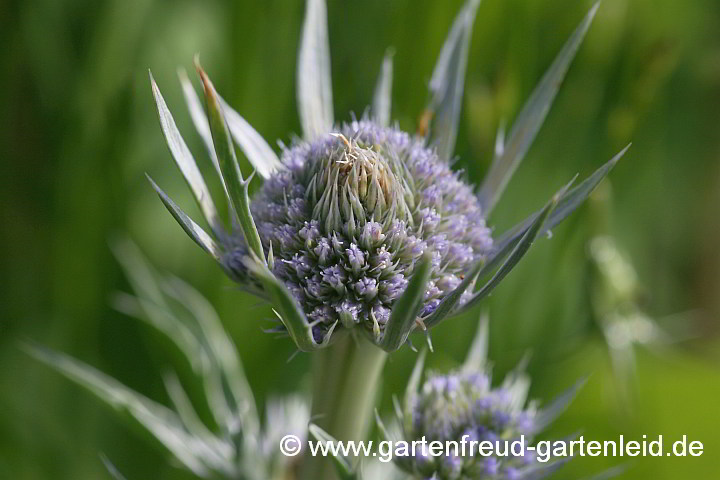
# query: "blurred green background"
80,130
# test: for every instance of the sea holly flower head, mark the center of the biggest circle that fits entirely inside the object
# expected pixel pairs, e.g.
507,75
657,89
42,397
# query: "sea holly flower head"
464,407
360,226
351,216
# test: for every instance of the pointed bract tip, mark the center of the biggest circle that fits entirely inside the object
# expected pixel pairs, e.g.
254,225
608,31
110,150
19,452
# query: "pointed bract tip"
561,193
152,182
622,152
182,75
154,86
207,83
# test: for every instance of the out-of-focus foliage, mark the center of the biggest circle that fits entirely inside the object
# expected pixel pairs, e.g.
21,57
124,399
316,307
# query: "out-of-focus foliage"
79,131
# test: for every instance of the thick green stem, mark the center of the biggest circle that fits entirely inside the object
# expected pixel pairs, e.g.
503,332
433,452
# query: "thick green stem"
346,378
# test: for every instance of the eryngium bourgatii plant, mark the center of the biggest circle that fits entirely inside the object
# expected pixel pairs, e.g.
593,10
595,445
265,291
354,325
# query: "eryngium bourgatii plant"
235,444
360,226
463,405
362,233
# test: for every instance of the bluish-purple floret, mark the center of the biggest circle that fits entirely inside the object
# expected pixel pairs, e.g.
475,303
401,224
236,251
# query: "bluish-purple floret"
463,405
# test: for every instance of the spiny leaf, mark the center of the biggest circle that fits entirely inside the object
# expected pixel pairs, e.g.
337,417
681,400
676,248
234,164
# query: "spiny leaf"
255,148
549,413
567,204
237,186
185,162
531,118
406,308
314,85
199,119
518,252
288,310
448,80
191,228
382,100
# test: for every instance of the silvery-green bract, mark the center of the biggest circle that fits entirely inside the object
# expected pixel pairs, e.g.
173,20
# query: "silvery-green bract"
360,226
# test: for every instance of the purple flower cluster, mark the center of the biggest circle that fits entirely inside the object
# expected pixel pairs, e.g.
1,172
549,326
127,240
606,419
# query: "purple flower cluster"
351,214
464,405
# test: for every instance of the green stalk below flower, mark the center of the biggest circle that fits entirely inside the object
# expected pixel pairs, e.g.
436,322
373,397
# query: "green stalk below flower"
346,377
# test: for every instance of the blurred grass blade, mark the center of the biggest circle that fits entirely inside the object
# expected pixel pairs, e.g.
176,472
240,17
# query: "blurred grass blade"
447,82
342,464
382,100
162,423
531,118
476,358
191,228
567,204
186,163
406,308
237,186
518,252
289,312
314,84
